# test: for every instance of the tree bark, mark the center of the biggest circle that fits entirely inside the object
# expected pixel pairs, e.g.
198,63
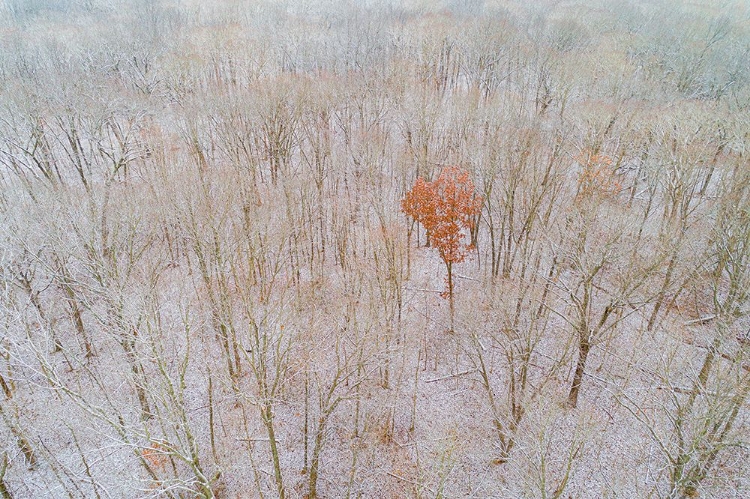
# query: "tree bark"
452,305
4,492
583,353
267,416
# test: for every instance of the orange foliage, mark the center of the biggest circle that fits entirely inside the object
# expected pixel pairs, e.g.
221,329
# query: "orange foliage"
155,455
597,178
446,208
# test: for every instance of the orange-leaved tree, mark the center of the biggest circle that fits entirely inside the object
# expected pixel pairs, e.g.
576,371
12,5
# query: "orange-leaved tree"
597,177
447,208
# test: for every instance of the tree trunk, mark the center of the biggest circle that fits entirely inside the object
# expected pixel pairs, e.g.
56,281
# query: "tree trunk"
267,414
21,440
663,291
583,353
75,313
128,344
4,492
451,304
315,462
6,388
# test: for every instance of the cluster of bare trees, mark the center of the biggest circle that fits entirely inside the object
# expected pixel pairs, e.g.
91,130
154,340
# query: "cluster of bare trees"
209,289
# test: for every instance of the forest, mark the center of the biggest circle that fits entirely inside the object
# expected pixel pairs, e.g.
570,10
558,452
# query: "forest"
374,249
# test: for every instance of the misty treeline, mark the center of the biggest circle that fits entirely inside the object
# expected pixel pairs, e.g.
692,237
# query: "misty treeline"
209,288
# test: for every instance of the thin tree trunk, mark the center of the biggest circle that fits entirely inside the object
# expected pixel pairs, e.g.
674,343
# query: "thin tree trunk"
75,312
34,298
452,305
306,432
583,353
663,291
267,415
128,344
4,492
21,440
315,462
211,417
6,388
